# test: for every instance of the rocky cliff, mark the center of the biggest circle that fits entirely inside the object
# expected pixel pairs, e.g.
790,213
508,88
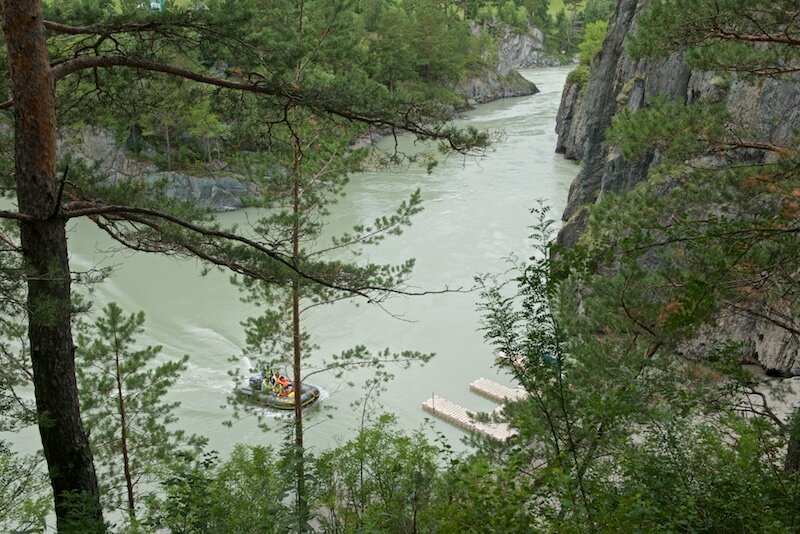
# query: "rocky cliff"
514,51
617,81
571,118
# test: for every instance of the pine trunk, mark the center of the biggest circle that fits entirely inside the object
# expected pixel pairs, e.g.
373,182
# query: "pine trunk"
44,249
123,424
792,461
302,497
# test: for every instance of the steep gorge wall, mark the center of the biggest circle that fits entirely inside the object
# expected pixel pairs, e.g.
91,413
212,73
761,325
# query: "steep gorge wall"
616,81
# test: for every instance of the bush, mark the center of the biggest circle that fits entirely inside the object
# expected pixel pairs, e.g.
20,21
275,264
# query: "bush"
579,76
592,41
382,481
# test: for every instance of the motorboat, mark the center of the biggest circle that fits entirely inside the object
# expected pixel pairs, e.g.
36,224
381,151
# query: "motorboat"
264,391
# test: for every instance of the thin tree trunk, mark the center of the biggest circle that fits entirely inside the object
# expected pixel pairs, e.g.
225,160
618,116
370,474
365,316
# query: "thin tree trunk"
166,138
126,466
302,498
300,473
792,462
44,249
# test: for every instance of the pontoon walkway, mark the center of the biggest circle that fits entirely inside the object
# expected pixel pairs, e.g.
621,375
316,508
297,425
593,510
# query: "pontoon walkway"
459,416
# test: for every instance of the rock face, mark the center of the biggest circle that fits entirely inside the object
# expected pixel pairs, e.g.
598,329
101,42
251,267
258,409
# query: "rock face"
219,193
515,51
494,85
519,50
571,121
616,81
775,349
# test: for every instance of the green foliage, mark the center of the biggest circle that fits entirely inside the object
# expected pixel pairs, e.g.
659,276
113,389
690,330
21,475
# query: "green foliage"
592,44
481,494
24,499
562,34
122,399
746,36
441,45
677,131
598,10
383,480
24,492
15,374
486,13
578,26
623,431
538,10
186,503
696,479
380,481
243,494
513,15
416,50
579,76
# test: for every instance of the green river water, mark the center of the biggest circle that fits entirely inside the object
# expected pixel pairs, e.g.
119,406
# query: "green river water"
476,213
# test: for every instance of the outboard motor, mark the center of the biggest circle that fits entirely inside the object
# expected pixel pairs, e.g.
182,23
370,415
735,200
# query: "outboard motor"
255,383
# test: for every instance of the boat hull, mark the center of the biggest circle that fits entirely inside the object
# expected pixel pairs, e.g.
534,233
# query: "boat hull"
309,395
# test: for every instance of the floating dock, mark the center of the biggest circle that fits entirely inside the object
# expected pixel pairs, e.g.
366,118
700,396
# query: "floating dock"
496,392
459,416
463,418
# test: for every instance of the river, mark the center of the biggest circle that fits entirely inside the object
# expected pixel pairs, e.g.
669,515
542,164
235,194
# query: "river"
476,213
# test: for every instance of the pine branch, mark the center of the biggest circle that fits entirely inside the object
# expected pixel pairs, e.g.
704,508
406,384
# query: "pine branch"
123,27
405,121
15,215
145,216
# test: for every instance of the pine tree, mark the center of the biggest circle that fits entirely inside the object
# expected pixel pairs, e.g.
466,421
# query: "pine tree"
122,394
614,406
307,170
734,249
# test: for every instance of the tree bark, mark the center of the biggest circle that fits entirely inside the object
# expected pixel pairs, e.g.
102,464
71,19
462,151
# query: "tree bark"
792,461
123,426
44,249
302,497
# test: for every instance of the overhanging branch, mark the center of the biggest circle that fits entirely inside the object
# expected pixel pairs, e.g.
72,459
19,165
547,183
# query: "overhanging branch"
293,96
107,29
15,215
145,216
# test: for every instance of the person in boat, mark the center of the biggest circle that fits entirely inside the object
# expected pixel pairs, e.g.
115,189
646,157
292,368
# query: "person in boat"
265,382
276,385
282,385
